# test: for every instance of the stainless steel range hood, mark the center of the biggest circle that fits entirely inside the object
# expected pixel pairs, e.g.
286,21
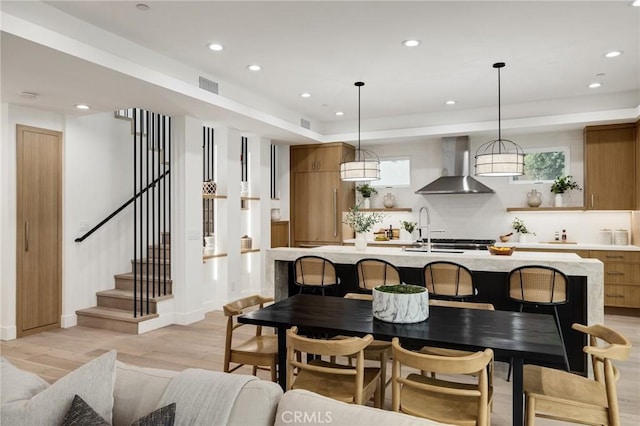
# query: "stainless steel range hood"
455,177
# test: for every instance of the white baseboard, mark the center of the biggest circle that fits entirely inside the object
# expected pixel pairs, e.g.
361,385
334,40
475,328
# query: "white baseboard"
8,333
67,321
189,317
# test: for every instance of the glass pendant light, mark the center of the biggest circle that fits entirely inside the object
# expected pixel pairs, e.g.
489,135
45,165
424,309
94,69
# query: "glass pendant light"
365,165
499,157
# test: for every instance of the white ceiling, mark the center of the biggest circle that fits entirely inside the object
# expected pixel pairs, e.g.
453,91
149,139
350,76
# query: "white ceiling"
552,50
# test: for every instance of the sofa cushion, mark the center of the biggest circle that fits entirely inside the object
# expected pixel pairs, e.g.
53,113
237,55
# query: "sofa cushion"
137,391
18,384
81,413
256,404
93,382
299,407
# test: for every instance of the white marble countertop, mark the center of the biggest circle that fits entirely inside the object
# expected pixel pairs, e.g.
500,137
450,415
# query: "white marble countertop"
475,260
577,246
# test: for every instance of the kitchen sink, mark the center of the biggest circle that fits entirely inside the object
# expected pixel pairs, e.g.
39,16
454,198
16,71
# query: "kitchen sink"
424,250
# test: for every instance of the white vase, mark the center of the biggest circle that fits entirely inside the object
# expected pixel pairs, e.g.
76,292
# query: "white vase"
361,241
524,238
406,235
275,214
366,203
557,200
400,308
244,189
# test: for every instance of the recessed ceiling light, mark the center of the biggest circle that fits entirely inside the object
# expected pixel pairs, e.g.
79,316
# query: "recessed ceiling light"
411,43
83,106
28,95
142,6
254,67
613,54
215,47
450,102
636,3
339,113
305,95
594,85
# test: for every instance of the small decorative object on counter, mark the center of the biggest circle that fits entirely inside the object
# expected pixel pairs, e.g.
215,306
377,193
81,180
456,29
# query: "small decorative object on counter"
606,236
361,223
208,187
621,237
506,237
534,198
564,235
245,242
520,227
557,236
501,251
389,200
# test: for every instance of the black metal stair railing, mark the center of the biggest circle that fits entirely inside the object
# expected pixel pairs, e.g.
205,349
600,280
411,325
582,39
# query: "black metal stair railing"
151,208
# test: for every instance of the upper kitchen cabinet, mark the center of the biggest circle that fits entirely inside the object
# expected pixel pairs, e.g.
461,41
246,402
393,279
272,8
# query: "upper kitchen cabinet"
318,196
610,167
311,158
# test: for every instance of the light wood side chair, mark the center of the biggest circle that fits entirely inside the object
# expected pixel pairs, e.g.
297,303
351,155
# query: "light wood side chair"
378,350
260,350
447,401
561,395
448,280
314,274
352,384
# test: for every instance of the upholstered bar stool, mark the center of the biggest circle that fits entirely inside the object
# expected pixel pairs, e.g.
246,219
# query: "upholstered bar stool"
448,280
314,273
537,285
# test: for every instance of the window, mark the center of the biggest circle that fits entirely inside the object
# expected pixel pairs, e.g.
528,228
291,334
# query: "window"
543,165
394,172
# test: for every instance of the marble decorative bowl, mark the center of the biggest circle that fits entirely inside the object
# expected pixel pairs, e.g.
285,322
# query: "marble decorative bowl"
401,307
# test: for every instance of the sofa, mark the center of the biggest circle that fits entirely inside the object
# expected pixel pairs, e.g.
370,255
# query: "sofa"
122,394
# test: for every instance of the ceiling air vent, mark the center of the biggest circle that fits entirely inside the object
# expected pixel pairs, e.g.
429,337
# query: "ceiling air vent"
305,123
208,85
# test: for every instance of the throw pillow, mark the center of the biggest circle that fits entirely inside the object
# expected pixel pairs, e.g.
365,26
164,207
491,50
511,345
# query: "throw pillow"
93,381
18,384
163,416
81,414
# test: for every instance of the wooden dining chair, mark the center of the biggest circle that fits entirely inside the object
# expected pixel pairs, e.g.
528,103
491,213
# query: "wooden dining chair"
314,274
353,384
538,286
432,350
378,350
448,400
372,273
259,350
561,395
448,280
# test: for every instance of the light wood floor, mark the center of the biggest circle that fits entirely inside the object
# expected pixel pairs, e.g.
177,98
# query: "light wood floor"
201,345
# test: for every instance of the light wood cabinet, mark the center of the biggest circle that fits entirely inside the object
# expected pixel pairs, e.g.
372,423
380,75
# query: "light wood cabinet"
318,196
621,277
610,167
280,233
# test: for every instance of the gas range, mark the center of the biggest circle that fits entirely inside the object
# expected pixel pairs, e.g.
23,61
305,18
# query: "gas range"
458,243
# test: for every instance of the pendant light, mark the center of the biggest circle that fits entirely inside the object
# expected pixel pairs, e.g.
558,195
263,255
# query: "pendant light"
499,157
365,165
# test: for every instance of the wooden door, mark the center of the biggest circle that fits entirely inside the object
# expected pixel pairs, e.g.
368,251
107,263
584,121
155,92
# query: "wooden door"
39,230
317,203
610,167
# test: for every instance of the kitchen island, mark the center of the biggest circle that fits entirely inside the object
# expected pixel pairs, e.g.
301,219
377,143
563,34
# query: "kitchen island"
586,289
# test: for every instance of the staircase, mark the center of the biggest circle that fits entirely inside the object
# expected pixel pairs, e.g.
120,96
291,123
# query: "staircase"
115,309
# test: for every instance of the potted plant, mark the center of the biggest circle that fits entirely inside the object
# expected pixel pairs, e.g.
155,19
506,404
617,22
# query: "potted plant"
409,227
366,191
561,185
402,303
521,228
361,223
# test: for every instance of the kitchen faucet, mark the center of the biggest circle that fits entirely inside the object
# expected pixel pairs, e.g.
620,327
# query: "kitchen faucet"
428,227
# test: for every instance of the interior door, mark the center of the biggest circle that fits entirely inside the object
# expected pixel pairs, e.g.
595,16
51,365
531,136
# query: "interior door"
39,229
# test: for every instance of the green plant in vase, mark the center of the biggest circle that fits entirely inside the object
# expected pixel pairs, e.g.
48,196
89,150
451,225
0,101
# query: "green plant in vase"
361,223
366,191
561,185
521,228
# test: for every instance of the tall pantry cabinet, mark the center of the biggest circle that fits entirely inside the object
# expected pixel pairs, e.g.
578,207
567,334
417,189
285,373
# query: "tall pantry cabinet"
318,196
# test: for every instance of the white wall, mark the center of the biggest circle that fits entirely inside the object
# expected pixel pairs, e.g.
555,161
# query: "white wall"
484,216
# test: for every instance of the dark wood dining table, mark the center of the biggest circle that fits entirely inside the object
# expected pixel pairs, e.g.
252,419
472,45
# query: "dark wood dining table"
522,336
